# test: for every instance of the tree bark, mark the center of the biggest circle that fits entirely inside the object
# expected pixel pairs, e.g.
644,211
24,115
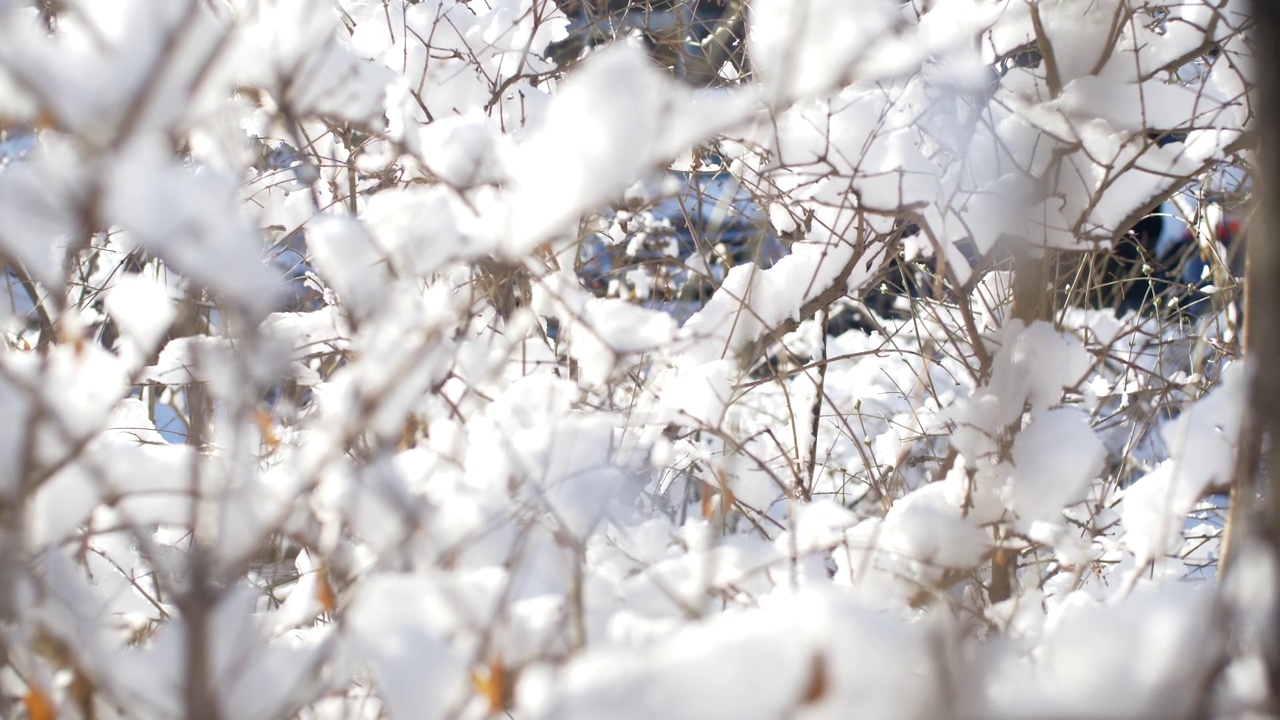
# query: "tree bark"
1262,324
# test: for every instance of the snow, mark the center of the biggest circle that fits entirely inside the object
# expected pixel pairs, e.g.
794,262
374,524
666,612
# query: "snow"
702,392
1056,457
838,653
803,48
927,526
142,309
41,195
188,359
189,218
344,254
400,624
1146,653
424,466
1032,366
571,162
1202,445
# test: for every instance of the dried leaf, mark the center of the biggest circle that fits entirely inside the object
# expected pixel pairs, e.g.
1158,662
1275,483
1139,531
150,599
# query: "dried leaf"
39,706
709,494
324,590
409,434
45,120
81,690
817,687
492,684
266,426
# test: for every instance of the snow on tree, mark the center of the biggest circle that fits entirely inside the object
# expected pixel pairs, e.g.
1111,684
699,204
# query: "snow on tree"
701,358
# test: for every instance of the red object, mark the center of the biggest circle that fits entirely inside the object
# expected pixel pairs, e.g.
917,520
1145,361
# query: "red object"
1228,230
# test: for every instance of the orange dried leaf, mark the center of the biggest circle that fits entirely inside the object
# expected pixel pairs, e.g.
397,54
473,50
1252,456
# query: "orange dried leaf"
491,684
409,433
709,492
266,426
324,590
45,120
39,707
817,685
